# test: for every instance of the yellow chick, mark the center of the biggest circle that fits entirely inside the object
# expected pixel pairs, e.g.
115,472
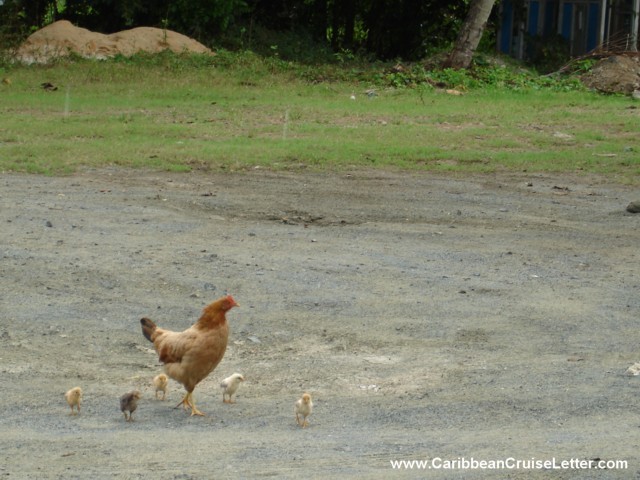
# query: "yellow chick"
303,409
129,403
74,398
229,386
161,382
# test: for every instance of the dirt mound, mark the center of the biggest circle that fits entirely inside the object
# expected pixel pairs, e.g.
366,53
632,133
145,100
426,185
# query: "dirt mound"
62,38
615,74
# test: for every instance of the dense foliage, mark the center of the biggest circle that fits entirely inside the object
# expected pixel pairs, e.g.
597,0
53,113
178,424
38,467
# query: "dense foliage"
383,29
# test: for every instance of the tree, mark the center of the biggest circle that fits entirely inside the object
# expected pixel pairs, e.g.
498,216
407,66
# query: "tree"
470,34
382,29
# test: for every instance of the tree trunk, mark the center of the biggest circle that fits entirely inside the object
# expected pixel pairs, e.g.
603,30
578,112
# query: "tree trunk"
470,34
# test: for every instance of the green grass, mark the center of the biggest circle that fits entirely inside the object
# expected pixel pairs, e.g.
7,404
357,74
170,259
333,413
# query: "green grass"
236,112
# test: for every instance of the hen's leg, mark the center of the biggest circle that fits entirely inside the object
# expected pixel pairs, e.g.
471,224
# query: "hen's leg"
194,410
186,401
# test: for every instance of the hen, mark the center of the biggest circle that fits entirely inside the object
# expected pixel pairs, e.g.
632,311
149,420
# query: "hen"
191,355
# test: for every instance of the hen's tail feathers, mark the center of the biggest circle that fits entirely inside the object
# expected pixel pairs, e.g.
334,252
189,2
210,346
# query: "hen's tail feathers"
148,327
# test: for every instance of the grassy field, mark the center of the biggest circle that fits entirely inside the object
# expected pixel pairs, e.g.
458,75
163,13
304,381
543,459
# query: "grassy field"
241,112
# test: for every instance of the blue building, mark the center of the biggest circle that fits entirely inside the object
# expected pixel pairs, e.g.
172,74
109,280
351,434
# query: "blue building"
582,25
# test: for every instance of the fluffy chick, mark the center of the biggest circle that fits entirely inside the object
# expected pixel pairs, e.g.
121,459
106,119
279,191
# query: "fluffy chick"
303,408
229,386
161,382
74,398
129,403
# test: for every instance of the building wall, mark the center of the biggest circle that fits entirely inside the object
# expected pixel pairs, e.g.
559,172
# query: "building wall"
579,22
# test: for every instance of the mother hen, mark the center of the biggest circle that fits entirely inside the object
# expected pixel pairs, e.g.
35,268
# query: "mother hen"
191,355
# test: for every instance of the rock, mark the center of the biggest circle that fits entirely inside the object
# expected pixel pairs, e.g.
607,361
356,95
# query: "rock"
633,370
634,207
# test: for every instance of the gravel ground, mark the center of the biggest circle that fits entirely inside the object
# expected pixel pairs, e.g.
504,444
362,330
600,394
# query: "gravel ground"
430,317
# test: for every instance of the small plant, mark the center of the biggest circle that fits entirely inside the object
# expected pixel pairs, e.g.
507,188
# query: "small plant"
165,26
344,56
582,65
549,53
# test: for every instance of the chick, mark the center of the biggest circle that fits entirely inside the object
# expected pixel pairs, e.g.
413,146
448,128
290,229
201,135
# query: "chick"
74,398
129,403
229,386
160,382
303,408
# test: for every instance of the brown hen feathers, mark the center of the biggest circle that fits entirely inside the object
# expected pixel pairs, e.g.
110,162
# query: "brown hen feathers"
191,355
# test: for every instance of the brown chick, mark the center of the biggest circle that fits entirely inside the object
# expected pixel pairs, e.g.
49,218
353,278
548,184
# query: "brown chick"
161,382
191,355
74,398
230,385
129,403
303,409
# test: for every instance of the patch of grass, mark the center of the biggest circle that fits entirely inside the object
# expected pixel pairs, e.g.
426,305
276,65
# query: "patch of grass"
238,111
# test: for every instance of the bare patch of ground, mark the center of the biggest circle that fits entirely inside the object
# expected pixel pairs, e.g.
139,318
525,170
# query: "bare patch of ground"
430,317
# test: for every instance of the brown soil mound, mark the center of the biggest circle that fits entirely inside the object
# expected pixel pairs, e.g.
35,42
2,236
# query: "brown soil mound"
615,74
62,38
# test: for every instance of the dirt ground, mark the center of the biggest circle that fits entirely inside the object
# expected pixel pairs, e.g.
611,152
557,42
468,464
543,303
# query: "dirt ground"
61,38
615,74
430,317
